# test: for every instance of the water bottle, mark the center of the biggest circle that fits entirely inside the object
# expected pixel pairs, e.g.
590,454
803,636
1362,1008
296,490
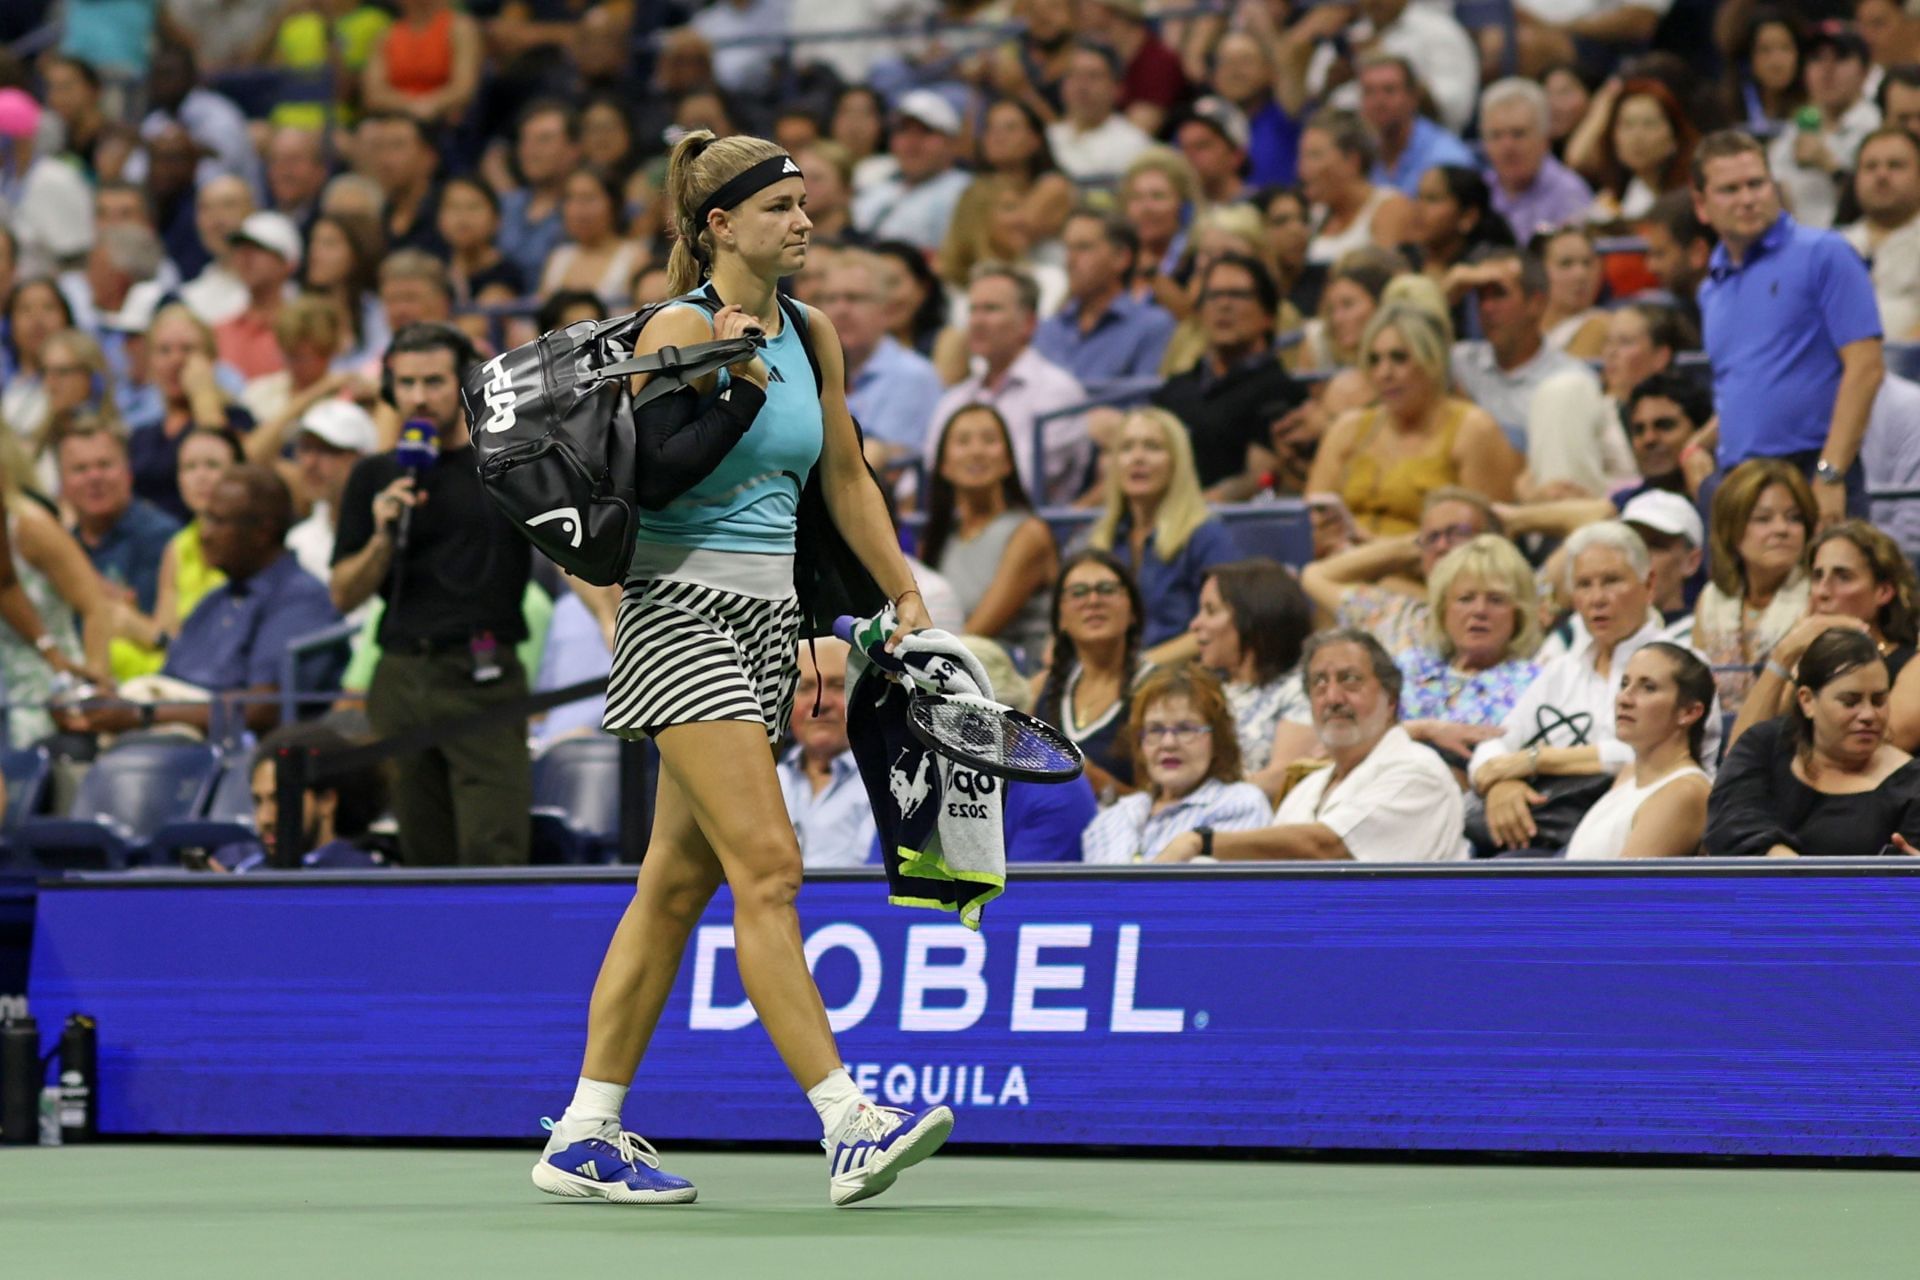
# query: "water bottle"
50,1116
21,1076
79,1075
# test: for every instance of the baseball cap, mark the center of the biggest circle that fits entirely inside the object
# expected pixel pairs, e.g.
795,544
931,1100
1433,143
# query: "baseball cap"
1667,513
931,110
271,231
137,309
342,424
1225,119
1843,36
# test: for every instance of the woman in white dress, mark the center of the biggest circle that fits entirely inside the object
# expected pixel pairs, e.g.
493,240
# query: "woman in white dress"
1658,805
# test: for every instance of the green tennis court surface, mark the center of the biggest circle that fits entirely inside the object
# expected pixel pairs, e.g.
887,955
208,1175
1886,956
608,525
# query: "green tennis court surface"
282,1212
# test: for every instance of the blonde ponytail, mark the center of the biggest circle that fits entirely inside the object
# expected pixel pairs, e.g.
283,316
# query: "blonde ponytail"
700,165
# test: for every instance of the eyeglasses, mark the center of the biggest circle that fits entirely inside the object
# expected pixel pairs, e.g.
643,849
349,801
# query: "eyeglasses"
1183,732
1351,681
1105,590
1445,535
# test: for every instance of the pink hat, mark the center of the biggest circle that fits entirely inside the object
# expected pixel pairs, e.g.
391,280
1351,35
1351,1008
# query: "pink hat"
19,114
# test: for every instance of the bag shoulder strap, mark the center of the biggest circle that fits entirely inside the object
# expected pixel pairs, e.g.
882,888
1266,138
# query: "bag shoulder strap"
796,314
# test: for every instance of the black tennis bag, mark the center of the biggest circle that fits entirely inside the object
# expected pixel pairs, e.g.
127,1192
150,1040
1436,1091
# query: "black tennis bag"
553,426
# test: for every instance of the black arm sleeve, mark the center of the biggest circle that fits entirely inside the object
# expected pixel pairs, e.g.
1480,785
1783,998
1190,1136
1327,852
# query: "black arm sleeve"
679,446
1742,809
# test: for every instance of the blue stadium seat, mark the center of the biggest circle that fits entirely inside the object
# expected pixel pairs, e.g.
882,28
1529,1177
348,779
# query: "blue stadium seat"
1903,360
228,818
128,794
576,801
1280,530
27,771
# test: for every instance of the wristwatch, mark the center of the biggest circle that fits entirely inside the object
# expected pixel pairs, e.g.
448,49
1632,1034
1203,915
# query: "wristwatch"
1206,840
1825,472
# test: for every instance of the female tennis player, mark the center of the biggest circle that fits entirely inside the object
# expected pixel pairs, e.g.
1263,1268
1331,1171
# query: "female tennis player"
706,663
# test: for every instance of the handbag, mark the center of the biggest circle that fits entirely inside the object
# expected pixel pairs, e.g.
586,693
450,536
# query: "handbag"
1568,796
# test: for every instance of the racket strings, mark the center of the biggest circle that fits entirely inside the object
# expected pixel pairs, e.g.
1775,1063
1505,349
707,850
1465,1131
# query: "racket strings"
996,737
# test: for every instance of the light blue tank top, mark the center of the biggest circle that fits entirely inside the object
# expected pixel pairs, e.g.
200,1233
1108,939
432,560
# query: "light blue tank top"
750,501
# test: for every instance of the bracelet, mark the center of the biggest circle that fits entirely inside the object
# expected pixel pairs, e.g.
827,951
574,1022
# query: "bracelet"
1786,676
1533,760
910,591
46,644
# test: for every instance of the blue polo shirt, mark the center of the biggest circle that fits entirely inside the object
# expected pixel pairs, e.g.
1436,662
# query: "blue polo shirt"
129,554
1127,341
1427,147
1774,328
1171,588
237,636
893,395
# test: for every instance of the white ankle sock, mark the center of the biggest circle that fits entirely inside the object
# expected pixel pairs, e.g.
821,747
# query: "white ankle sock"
595,1102
836,1099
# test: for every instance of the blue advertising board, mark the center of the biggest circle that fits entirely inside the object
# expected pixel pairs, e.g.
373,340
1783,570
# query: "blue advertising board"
1756,1012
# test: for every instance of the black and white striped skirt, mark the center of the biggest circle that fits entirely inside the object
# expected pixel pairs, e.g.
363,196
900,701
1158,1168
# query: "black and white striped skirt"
684,653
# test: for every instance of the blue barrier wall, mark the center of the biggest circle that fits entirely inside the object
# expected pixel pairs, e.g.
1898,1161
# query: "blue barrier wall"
1755,1011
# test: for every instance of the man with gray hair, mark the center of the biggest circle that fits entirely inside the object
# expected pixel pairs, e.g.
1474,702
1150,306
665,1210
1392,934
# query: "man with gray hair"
1019,382
121,257
1386,798
1531,189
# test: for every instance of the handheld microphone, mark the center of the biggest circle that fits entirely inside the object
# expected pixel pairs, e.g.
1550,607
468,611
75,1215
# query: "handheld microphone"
417,452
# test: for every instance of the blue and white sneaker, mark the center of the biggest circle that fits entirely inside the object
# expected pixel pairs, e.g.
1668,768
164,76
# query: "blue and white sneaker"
610,1164
879,1144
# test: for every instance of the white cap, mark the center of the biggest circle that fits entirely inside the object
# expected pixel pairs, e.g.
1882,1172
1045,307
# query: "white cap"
342,424
1668,513
137,309
931,110
273,232
1227,120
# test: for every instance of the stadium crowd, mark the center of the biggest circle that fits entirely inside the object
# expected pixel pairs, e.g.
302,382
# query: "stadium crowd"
1580,363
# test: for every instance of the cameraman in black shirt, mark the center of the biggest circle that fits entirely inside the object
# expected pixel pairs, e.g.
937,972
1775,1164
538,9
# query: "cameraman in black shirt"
453,572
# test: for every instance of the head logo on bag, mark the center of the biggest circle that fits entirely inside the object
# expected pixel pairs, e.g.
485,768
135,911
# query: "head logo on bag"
569,518
498,394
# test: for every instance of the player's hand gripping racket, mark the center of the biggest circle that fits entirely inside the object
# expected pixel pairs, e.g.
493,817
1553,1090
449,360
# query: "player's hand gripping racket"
977,732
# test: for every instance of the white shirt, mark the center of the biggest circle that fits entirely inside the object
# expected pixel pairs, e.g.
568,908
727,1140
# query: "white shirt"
1400,804
852,59
1813,195
215,295
1895,264
1573,703
742,68
1033,386
1103,151
1891,455
1603,832
50,210
1441,51
942,601
1560,12
835,826
311,542
1129,831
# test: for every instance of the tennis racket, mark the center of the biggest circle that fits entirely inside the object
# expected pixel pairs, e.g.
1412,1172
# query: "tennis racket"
979,733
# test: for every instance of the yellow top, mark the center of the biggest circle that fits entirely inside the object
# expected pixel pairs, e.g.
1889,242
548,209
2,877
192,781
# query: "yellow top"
1386,499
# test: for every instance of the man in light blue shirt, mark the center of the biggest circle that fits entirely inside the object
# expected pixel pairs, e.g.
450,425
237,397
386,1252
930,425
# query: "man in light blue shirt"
1102,334
891,389
1410,144
916,204
546,148
826,799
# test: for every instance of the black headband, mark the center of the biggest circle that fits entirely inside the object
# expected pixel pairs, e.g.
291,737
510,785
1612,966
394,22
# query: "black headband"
742,185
